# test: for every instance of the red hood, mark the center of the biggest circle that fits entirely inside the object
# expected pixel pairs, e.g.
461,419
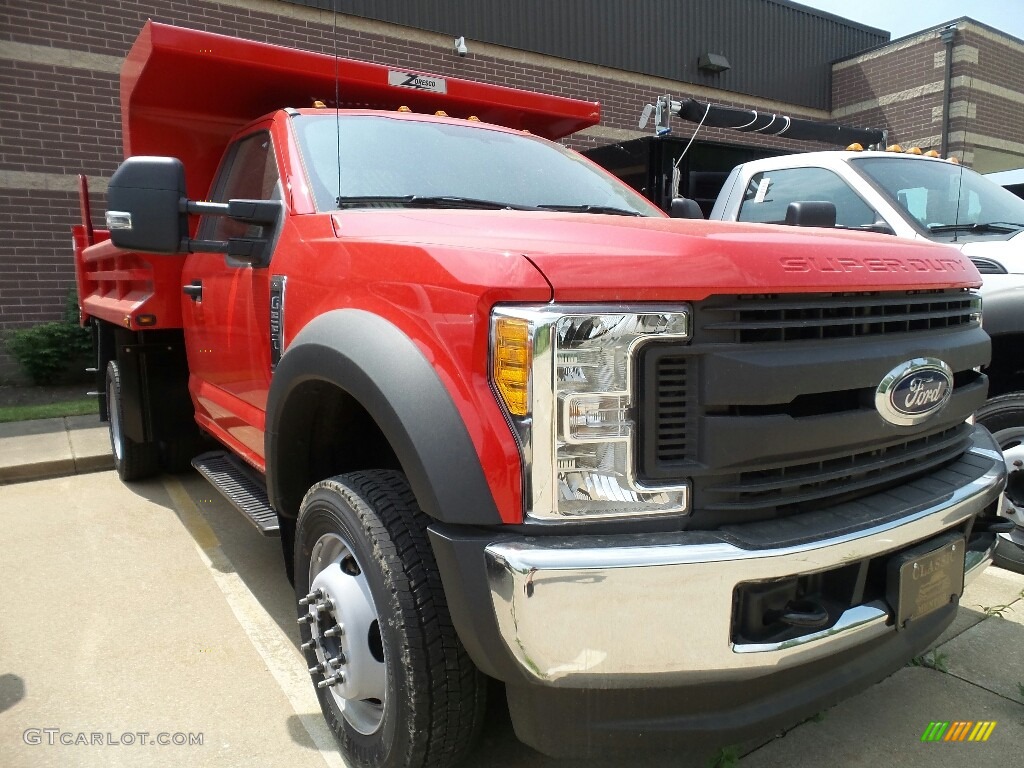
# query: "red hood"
589,257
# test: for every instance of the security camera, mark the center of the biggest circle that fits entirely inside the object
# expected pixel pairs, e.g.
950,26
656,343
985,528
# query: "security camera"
460,46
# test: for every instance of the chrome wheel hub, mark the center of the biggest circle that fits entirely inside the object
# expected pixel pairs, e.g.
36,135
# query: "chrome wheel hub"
1011,441
345,629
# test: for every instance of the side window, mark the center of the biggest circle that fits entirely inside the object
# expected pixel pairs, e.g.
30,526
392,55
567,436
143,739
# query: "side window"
770,193
248,172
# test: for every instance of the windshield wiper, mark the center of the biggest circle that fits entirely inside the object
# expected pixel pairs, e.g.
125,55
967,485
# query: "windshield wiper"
428,201
454,201
590,209
990,226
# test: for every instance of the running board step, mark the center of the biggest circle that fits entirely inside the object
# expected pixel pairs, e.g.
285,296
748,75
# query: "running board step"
241,487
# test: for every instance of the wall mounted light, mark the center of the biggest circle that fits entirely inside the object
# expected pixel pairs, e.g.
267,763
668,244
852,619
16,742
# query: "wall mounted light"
713,63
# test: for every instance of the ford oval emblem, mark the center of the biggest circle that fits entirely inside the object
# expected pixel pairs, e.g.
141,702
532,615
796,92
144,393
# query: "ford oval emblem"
914,391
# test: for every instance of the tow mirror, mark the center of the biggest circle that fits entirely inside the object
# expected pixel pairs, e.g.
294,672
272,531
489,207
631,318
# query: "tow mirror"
144,205
815,213
685,208
148,211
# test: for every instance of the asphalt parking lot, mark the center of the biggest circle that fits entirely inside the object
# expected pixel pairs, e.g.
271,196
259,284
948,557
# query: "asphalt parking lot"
152,625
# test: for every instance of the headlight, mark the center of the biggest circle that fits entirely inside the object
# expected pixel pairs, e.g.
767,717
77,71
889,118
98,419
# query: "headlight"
564,376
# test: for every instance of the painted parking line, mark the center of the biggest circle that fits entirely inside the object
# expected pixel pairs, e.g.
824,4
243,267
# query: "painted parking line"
275,648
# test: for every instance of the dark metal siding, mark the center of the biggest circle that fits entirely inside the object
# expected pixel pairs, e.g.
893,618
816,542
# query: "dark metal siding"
778,50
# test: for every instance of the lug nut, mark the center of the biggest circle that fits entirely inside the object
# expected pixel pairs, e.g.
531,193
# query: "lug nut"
308,646
307,619
317,669
326,605
327,682
338,660
312,597
336,631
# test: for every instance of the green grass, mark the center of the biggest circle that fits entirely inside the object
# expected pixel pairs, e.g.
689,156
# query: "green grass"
932,660
80,407
996,610
726,757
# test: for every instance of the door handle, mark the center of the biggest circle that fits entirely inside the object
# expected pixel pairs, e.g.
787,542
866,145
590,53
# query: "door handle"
194,290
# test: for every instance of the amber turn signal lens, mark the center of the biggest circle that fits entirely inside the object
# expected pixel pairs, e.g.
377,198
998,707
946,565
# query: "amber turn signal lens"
511,363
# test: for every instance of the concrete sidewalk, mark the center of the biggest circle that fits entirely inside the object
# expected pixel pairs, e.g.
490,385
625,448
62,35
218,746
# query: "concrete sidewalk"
975,672
71,445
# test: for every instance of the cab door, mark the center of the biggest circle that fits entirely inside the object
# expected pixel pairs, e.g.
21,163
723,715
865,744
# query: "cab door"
226,307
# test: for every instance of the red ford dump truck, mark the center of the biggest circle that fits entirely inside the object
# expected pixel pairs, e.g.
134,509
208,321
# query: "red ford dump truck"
670,481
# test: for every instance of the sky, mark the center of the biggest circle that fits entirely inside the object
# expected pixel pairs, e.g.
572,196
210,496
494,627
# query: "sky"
904,18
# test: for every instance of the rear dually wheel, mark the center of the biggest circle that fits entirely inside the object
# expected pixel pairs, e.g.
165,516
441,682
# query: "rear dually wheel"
132,460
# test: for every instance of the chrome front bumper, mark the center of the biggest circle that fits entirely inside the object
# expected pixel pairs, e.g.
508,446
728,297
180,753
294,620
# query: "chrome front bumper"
628,611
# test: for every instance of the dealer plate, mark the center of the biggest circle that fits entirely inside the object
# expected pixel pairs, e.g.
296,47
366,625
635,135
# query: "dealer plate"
926,578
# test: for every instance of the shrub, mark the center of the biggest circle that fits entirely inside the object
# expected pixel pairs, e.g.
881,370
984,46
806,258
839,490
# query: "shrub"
46,351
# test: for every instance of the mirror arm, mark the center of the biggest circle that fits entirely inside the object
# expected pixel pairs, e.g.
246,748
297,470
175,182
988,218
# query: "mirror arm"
250,249
206,246
202,209
245,211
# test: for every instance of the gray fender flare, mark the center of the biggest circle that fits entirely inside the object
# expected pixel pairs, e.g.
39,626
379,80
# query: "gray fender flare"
1003,310
380,367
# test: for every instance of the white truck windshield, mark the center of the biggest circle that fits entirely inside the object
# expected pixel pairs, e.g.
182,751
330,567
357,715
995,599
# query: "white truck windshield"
940,198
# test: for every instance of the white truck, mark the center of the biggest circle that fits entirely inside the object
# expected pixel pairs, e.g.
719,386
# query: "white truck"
922,198
1012,180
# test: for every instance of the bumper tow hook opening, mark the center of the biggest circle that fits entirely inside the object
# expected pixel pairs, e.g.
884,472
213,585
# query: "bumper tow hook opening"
993,525
799,613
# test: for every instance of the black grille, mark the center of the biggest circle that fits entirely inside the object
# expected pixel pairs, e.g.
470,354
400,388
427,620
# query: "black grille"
787,489
837,316
988,266
668,421
763,428
672,439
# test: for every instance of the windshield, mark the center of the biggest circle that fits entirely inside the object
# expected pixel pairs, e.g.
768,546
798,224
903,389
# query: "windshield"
942,198
408,162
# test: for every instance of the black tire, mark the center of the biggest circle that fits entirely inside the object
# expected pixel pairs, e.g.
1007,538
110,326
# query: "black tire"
367,531
1002,413
132,460
1003,416
1008,555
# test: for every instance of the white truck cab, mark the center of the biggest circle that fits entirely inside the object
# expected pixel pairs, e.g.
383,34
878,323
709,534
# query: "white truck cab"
1012,180
923,198
907,195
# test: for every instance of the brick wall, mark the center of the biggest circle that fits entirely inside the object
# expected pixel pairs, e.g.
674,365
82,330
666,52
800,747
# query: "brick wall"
34,277
900,88
59,62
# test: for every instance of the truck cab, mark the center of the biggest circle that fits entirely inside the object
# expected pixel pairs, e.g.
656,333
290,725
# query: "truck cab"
667,481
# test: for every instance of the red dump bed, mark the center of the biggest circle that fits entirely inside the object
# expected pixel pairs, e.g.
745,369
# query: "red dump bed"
185,93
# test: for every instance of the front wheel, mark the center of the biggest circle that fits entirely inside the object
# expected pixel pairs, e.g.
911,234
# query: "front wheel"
1003,416
394,682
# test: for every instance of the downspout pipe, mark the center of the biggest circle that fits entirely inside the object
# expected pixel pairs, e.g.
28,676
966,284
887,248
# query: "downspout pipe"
947,34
